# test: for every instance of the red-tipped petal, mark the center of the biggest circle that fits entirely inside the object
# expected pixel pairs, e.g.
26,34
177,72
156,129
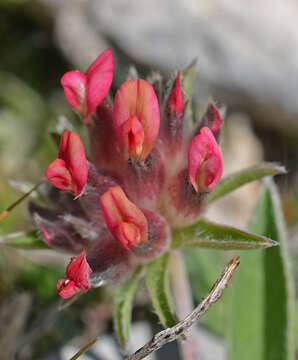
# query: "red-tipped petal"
204,161
66,288
75,158
75,84
99,77
176,98
124,219
137,97
70,170
79,270
59,175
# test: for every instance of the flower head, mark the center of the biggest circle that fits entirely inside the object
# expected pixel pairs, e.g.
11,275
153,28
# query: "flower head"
86,91
77,277
70,170
139,185
204,161
136,117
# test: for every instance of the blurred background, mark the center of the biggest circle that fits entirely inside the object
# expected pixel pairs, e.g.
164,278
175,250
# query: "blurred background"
247,60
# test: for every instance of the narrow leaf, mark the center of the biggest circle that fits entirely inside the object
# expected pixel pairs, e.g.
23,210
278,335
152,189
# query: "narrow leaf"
24,240
238,179
123,306
211,235
279,289
262,302
158,284
187,78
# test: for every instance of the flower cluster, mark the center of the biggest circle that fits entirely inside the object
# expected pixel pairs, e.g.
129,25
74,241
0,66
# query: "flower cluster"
150,171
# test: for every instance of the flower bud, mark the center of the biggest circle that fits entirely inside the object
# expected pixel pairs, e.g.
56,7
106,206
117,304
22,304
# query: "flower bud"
212,120
61,230
204,161
86,91
124,219
175,104
136,118
77,277
70,170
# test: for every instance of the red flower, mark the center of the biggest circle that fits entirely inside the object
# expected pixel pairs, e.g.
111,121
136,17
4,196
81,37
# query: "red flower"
70,170
175,104
77,277
204,161
136,117
124,219
86,91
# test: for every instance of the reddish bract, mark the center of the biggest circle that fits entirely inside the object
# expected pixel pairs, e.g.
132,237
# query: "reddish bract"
77,277
70,170
86,91
136,117
204,161
175,104
124,219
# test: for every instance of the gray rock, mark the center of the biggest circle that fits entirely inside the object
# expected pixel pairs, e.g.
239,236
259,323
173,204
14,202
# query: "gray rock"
247,51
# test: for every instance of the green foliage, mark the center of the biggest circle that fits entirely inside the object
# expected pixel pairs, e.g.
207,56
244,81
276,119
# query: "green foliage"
262,303
203,266
40,279
123,306
24,240
187,79
238,179
158,284
211,235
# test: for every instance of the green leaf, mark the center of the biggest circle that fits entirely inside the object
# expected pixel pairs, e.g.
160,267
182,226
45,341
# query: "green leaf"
187,78
158,284
123,306
234,181
211,235
262,304
24,240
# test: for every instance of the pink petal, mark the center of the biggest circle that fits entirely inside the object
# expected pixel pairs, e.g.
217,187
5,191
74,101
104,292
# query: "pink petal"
137,97
78,271
74,84
204,161
71,150
124,219
99,77
59,175
176,98
66,288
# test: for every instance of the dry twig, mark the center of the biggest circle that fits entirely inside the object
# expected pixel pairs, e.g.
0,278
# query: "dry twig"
171,334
